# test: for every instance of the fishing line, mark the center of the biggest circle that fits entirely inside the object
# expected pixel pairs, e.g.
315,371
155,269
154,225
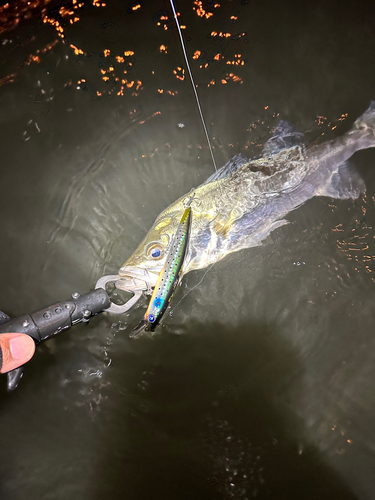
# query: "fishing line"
191,289
193,84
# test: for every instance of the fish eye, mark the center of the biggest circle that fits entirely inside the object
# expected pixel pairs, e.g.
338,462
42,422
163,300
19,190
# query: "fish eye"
151,318
155,251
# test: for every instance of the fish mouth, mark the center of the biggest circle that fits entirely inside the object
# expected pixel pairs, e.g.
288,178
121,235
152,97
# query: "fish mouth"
136,278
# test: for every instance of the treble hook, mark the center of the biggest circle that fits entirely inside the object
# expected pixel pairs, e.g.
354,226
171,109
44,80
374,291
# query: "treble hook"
189,199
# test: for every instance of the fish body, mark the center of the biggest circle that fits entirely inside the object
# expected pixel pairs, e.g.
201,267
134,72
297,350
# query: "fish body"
168,277
239,205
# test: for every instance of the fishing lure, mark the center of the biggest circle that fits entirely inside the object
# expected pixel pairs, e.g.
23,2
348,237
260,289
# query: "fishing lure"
168,277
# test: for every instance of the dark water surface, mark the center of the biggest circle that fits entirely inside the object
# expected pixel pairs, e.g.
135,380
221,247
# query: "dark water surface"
261,383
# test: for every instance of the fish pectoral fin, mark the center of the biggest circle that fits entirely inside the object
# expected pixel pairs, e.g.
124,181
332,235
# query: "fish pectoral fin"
223,227
272,227
258,240
344,184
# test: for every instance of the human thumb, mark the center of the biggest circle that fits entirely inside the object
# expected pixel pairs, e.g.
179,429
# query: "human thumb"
15,350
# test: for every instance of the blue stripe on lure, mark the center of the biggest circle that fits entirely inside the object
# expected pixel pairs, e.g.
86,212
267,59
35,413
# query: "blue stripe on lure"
168,277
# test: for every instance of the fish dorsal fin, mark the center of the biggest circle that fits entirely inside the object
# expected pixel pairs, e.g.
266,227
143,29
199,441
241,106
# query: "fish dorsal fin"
284,136
345,183
228,169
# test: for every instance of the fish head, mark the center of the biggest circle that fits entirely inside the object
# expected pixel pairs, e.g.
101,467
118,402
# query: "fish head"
142,269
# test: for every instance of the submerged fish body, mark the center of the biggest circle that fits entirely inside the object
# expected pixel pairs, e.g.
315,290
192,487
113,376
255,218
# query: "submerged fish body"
245,200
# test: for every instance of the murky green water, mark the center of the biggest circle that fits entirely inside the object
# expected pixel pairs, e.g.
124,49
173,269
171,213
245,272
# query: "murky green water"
261,382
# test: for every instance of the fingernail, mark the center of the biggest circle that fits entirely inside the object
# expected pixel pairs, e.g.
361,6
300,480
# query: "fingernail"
21,347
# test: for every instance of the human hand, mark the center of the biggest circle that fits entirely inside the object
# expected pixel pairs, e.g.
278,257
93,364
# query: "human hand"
15,350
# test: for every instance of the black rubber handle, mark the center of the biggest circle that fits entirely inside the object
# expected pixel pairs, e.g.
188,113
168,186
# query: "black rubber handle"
45,323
